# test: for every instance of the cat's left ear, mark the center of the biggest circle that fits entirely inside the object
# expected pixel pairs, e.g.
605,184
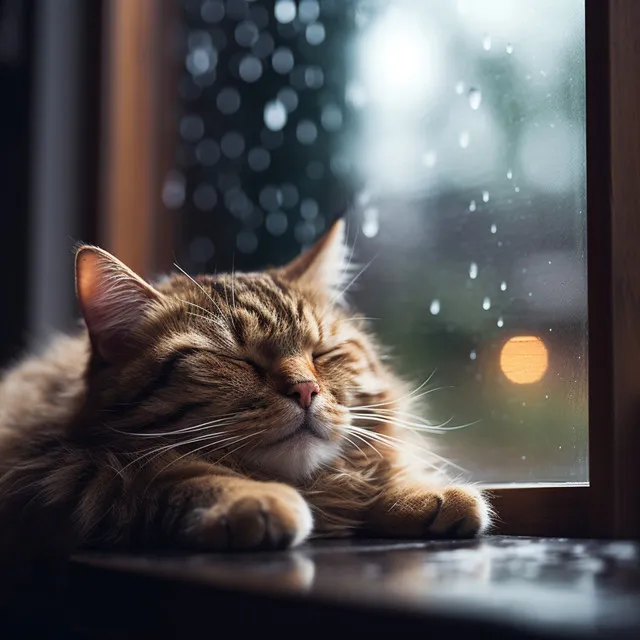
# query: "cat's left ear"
113,300
325,265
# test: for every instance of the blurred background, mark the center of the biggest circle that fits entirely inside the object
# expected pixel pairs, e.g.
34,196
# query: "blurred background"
220,134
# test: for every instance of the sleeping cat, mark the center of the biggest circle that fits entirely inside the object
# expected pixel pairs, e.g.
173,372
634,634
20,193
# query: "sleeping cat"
237,411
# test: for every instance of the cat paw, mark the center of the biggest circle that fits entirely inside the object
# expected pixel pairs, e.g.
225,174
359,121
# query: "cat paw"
448,512
459,512
264,516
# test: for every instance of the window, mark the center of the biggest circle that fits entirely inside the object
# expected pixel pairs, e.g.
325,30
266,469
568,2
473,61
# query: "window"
467,196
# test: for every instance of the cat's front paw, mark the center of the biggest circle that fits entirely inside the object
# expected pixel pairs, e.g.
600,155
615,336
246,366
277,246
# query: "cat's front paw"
445,512
261,516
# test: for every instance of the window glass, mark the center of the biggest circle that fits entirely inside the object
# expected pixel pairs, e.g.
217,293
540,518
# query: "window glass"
454,135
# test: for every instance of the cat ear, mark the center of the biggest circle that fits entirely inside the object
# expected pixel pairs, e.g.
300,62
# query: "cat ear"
325,265
112,299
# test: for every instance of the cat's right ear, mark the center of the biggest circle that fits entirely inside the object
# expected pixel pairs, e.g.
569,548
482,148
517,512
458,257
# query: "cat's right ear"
112,299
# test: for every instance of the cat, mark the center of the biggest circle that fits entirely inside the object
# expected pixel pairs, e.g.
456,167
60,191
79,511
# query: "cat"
237,411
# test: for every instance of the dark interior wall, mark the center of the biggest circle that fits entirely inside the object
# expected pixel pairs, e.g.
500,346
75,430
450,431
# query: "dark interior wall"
21,31
16,58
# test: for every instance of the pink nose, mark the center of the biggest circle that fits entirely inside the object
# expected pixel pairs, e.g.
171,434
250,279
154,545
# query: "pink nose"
303,393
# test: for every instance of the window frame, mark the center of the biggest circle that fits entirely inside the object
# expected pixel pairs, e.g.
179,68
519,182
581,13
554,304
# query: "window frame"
137,227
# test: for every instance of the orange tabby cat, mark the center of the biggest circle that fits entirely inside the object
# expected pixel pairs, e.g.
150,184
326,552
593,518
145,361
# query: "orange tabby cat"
221,412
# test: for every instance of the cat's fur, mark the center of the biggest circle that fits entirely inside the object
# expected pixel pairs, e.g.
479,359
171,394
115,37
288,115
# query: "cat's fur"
170,421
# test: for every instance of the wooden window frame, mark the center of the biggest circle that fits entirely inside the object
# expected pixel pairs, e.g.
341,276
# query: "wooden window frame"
136,229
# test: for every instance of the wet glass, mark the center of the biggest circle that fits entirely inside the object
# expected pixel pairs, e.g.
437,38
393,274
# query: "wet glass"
471,147
453,134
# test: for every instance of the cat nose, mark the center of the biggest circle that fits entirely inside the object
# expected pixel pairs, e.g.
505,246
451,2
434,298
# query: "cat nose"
304,393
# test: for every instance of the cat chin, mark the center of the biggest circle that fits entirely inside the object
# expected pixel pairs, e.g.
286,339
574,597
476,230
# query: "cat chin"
297,458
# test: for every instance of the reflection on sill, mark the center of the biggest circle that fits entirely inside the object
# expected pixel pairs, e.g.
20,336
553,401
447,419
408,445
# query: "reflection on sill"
531,485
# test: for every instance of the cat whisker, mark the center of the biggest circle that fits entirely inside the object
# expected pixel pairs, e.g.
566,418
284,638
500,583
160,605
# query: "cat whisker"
355,435
215,319
220,421
235,440
399,400
403,423
389,415
215,304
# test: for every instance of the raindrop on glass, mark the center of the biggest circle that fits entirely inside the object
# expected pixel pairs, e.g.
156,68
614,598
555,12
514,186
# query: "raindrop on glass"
315,170
228,100
315,34
306,132
472,354
232,144
494,228
259,159
290,195
434,308
205,197
285,11
503,286
509,48
473,270
486,43
212,11
191,128
208,152
289,98
263,46
509,174
276,223
472,206
486,304
246,34
282,60
247,242
250,68
308,11
173,190
371,224
500,323
429,159
270,198
485,196
313,77
309,209
331,117
459,87
275,115
475,98
463,139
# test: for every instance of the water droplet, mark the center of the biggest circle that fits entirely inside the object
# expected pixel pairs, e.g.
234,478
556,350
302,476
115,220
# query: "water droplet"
289,98
285,11
472,355
282,60
509,174
503,286
494,228
429,158
500,323
250,68
276,223
463,139
308,11
331,117
306,132
275,115
546,395
475,98
371,224
315,34
486,304
517,189
472,205
524,457
485,196
509,48
473,270
460,87
530,294
435,307
486,42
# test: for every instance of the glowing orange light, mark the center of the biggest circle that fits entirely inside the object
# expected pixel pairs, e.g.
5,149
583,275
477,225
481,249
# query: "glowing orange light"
524,359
